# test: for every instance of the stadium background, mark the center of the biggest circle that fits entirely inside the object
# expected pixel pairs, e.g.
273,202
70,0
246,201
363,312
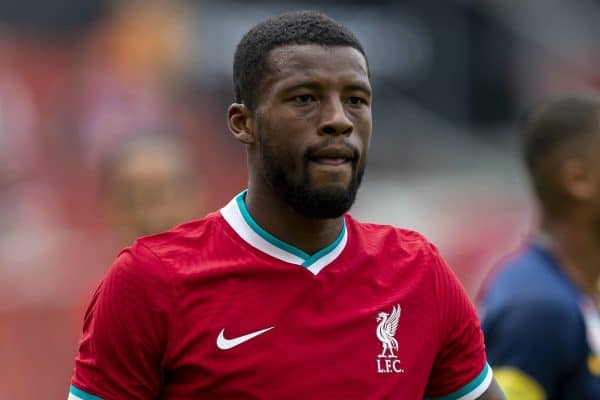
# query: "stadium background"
112,124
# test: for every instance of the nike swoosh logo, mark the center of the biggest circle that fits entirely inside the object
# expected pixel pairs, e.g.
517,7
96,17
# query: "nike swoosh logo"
226,344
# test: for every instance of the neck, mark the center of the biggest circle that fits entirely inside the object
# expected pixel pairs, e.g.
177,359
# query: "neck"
577,248
279,219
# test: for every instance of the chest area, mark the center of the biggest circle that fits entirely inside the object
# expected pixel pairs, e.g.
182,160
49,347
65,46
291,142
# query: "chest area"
290,335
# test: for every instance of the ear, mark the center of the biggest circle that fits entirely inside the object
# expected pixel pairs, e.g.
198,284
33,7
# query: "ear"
239,121
578,180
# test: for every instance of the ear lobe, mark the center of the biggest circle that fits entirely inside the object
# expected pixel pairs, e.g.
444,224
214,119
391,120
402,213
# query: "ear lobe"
239,121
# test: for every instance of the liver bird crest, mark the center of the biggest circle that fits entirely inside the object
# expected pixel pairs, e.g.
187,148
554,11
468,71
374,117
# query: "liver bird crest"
386,330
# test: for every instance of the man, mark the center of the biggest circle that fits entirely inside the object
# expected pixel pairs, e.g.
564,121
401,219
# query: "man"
281,294
541,322
149,185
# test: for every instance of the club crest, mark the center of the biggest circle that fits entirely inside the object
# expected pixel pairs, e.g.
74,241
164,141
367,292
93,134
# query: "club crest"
387,324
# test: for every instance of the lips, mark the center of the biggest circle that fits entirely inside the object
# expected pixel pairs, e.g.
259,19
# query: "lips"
331,161
334,155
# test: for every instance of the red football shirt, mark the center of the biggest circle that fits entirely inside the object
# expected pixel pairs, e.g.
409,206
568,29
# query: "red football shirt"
221,309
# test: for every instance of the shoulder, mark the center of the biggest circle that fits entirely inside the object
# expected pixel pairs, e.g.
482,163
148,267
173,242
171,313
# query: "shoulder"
536,329
530,298
400,255
390,238
183,235
383,230
539,312
186,241
530,282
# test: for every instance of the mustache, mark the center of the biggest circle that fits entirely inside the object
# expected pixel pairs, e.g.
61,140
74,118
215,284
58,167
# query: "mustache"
314,149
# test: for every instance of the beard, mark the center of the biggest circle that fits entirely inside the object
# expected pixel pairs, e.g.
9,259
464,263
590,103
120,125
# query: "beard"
302,196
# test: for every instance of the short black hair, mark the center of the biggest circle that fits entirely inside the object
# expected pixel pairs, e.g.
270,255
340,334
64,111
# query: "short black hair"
550,133
292,28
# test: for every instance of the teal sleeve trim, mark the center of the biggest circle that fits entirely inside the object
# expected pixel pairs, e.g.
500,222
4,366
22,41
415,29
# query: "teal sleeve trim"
82,395
484,377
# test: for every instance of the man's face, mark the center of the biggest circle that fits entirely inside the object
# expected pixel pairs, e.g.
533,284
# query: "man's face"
152,190
593,160
313,127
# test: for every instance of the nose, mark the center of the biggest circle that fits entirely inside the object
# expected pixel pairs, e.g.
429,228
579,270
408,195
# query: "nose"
334,120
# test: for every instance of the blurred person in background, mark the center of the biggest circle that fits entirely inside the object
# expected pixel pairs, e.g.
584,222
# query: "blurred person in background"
251,301
150,184
76,81
541,321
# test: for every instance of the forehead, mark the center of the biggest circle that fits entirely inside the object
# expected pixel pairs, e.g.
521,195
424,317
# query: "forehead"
324,64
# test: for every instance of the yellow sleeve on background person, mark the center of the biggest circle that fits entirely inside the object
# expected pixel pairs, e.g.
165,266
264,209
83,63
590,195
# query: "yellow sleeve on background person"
594,365
517,385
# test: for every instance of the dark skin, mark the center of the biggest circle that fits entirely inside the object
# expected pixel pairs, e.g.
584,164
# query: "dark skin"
312,95
574,234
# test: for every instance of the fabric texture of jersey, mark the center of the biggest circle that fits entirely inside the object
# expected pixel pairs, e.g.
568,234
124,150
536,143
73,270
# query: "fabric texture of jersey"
541,331
219,308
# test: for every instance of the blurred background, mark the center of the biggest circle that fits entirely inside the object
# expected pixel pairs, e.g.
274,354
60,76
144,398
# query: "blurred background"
112,125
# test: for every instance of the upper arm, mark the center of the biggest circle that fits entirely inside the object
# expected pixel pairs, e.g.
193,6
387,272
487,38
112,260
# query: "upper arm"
122,347
460,369
493,392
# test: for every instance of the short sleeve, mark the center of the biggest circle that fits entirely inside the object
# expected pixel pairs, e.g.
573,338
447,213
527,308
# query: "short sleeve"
460,370
125,331
528,345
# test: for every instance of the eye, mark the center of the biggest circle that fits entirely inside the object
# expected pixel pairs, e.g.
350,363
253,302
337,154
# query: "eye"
303,99
355,100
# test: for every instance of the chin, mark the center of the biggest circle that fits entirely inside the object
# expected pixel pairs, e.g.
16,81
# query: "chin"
324,202
316,196
331,189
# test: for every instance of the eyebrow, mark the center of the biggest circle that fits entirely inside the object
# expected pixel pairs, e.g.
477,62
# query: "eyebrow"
359,87
302,85
314,85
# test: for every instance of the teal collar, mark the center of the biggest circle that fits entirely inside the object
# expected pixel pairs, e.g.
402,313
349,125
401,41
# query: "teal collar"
237,216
